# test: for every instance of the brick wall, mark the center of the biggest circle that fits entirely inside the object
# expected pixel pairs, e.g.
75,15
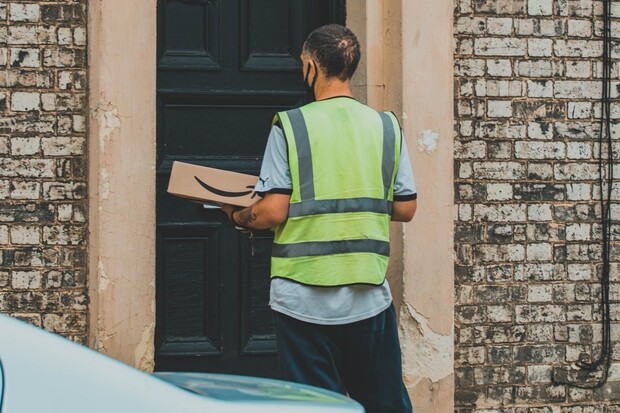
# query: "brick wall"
43,115
527,84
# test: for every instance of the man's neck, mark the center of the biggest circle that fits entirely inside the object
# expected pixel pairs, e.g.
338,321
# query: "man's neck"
332,88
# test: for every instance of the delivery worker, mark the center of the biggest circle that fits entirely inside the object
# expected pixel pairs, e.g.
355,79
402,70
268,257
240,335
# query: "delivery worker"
335,173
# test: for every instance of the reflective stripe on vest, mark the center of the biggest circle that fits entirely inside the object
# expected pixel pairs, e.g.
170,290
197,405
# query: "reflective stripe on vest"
337,231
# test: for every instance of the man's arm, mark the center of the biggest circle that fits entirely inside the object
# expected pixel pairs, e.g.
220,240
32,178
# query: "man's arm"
403,211
263,214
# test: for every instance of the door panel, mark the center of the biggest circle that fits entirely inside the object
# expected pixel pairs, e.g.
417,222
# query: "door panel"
224,68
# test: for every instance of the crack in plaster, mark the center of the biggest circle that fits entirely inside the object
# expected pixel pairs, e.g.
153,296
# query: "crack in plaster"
101,340
426,353
144,353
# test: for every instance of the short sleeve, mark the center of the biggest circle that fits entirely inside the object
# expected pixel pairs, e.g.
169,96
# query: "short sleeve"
404,186
275,175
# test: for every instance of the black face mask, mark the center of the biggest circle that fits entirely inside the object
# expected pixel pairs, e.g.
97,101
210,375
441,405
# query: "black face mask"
309,96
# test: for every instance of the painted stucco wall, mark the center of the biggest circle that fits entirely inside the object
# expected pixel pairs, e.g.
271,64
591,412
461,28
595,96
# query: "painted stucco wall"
408,69
122,179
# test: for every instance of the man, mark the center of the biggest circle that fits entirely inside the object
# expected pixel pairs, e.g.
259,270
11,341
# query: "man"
335,173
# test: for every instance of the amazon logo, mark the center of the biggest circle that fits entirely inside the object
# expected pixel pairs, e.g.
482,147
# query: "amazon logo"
227,194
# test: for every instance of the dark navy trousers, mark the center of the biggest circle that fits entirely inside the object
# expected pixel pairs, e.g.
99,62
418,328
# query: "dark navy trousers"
361,359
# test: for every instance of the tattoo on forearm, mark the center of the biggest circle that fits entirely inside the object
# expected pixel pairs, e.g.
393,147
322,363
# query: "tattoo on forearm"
246,216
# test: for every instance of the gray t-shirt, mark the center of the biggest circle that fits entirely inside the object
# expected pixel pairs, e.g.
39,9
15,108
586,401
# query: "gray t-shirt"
325,305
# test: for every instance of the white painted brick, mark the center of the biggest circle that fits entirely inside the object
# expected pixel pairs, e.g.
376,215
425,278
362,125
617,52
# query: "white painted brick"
539,252
539,130
63,145
524,27
578,232
505,88
470,25
470,150
537,68
577,89
465,170
501,252
540,7
4,189
550,28
579,272
578,192
4,235
578,48
500,47
23,12
25,146
580,28
65,35
470,67
579,110
499,67
22,35
49,101
539,374
499,192
25,57
540,150
579,171
79,36
499,108
25,190
25,234
579,150
539,212
26,279
79,123
540,47
499,313
466,128
65,212
499,26
578,69
499,170
25,101
500,212
540,88
539,293
465,212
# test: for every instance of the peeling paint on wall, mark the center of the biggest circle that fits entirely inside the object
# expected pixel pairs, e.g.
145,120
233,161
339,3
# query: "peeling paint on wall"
103,277
106,115
428,141
144,354
426,353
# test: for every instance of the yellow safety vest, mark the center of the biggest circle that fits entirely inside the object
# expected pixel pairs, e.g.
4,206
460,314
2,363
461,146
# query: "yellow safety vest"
343,157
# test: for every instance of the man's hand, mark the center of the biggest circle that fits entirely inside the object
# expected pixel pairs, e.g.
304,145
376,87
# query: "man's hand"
264,213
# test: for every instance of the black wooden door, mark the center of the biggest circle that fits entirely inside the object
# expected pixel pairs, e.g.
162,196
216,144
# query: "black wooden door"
224,68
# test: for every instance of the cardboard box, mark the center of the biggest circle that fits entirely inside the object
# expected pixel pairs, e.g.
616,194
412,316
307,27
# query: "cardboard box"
211,185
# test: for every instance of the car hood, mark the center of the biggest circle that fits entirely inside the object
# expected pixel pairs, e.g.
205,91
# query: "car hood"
45,372
251,389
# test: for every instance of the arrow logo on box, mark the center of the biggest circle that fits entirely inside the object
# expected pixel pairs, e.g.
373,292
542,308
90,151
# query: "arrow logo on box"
221,192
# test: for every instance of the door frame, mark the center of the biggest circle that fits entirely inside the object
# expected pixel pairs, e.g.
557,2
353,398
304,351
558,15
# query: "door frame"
410,72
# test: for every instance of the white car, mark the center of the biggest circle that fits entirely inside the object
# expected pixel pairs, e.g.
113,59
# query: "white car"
43,372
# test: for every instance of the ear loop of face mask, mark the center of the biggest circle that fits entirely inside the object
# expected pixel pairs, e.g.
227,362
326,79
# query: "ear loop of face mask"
310,97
